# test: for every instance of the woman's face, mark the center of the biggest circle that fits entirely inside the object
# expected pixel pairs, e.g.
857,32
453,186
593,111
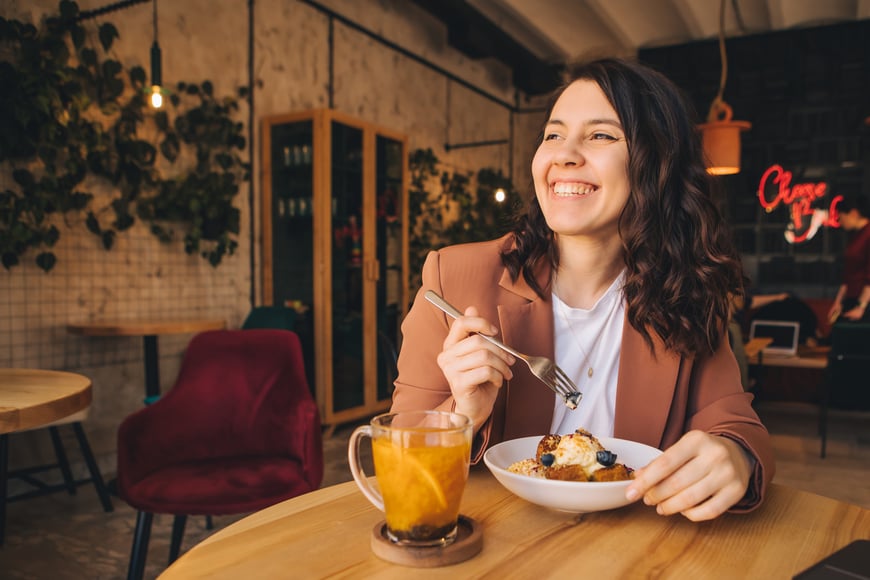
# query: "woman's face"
580,170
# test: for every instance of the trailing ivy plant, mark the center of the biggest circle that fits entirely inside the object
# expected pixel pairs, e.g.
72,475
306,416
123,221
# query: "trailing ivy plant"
71,117
443,210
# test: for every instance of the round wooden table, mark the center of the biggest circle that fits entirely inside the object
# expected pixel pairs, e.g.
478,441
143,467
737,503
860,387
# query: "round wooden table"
31,398
149,330
327,533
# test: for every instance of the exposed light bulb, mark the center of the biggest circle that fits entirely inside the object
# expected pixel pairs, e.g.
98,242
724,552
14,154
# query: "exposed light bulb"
500,195
156,97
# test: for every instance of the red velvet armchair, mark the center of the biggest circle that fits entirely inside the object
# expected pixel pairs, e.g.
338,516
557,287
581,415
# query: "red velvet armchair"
239,431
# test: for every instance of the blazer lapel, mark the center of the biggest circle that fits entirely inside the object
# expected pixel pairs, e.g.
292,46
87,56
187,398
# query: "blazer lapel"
527,327
645,388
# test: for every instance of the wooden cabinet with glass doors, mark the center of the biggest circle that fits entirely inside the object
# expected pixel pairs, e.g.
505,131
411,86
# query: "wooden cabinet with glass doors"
335,248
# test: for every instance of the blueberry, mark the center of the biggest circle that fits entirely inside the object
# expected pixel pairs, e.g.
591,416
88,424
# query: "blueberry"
547,459
606,458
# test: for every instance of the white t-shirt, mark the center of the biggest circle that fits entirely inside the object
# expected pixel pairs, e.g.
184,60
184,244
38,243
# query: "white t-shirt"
589,339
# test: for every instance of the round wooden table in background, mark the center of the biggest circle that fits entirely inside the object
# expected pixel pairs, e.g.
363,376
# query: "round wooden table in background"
32,398
149,330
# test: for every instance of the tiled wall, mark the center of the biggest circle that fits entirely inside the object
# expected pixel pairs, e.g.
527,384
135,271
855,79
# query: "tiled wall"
208,39
139,278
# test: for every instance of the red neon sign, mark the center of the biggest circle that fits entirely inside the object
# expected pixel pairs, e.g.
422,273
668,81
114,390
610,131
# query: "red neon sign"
799,198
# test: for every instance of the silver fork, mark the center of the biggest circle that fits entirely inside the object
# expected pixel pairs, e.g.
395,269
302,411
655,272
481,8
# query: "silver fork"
542,367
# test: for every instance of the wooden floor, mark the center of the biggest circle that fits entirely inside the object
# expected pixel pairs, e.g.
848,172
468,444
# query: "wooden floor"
844,474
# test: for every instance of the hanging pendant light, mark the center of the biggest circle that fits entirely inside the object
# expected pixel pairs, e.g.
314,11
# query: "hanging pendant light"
721,134
156,72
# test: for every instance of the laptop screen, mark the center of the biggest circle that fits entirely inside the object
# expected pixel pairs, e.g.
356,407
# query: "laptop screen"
784,335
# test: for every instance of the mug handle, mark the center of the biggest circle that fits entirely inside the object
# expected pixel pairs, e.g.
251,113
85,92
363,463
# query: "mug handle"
359,476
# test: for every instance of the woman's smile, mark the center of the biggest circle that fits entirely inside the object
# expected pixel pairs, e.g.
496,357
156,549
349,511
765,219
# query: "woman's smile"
573,189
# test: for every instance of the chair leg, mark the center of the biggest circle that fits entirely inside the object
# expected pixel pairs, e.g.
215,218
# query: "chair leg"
140,546
209,524
4,457
62,461
96,476
177,534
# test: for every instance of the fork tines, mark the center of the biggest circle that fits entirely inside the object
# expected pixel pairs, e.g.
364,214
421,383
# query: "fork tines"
565,387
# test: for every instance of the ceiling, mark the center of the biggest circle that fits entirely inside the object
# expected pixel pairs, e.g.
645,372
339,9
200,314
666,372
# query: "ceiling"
536,37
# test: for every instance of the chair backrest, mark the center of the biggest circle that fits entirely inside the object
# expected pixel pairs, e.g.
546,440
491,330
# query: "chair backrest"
239,393
849,366
271,317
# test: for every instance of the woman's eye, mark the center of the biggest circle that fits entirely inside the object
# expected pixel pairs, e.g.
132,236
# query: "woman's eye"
602,137
551,136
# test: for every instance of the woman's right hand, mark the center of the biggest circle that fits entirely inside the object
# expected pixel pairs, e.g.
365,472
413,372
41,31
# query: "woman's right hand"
474,368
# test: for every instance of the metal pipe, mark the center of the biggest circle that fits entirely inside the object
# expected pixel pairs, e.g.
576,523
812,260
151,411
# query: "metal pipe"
252,255
405,52
449,146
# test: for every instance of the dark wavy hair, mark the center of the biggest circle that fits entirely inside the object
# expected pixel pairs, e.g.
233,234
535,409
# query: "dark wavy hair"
682,267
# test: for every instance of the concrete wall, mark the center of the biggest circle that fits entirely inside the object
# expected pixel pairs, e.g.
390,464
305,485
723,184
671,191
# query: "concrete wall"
208,39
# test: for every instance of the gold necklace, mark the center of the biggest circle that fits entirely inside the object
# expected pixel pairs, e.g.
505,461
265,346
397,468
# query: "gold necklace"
562,307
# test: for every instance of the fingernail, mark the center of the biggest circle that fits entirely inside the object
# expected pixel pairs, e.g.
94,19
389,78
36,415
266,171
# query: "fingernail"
660,510
493,330
631,494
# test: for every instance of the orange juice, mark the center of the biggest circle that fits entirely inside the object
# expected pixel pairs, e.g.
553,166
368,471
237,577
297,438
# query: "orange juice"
421,484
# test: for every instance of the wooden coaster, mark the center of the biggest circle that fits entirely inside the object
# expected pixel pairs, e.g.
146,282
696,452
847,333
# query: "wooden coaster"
468,543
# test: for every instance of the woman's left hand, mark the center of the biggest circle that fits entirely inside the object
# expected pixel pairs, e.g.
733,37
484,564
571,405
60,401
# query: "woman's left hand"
701,476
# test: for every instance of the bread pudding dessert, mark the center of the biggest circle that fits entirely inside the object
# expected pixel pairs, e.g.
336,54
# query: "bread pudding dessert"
575,457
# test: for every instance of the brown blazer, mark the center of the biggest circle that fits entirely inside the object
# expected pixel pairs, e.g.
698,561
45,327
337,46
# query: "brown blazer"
660,395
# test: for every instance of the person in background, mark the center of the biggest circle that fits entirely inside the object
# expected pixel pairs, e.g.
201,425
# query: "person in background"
741,305
622,270
854,293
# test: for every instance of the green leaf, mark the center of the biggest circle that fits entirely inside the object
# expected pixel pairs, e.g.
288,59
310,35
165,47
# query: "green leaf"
24,178
161,119
170,147
10,259
124,221
78,35
137,76
68,10
108,33
92,223
89,57
108,238
162,234
223,160
46,261
114,89
51,236
111,68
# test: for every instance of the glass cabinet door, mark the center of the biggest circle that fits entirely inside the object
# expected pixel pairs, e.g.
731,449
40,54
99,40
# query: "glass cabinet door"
389,154
292,243
348,372
335,250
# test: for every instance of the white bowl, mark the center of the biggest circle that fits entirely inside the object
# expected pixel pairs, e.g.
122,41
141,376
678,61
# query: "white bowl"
568,496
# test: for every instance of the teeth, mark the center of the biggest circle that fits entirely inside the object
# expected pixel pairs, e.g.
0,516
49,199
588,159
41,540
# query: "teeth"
569,189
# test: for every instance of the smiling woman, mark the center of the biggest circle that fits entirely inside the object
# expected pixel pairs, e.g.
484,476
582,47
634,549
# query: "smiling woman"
624,239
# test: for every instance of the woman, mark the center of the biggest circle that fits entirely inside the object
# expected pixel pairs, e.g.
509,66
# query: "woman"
622,271
854,293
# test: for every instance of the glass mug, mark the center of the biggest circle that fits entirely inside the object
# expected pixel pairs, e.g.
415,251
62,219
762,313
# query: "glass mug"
421,465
